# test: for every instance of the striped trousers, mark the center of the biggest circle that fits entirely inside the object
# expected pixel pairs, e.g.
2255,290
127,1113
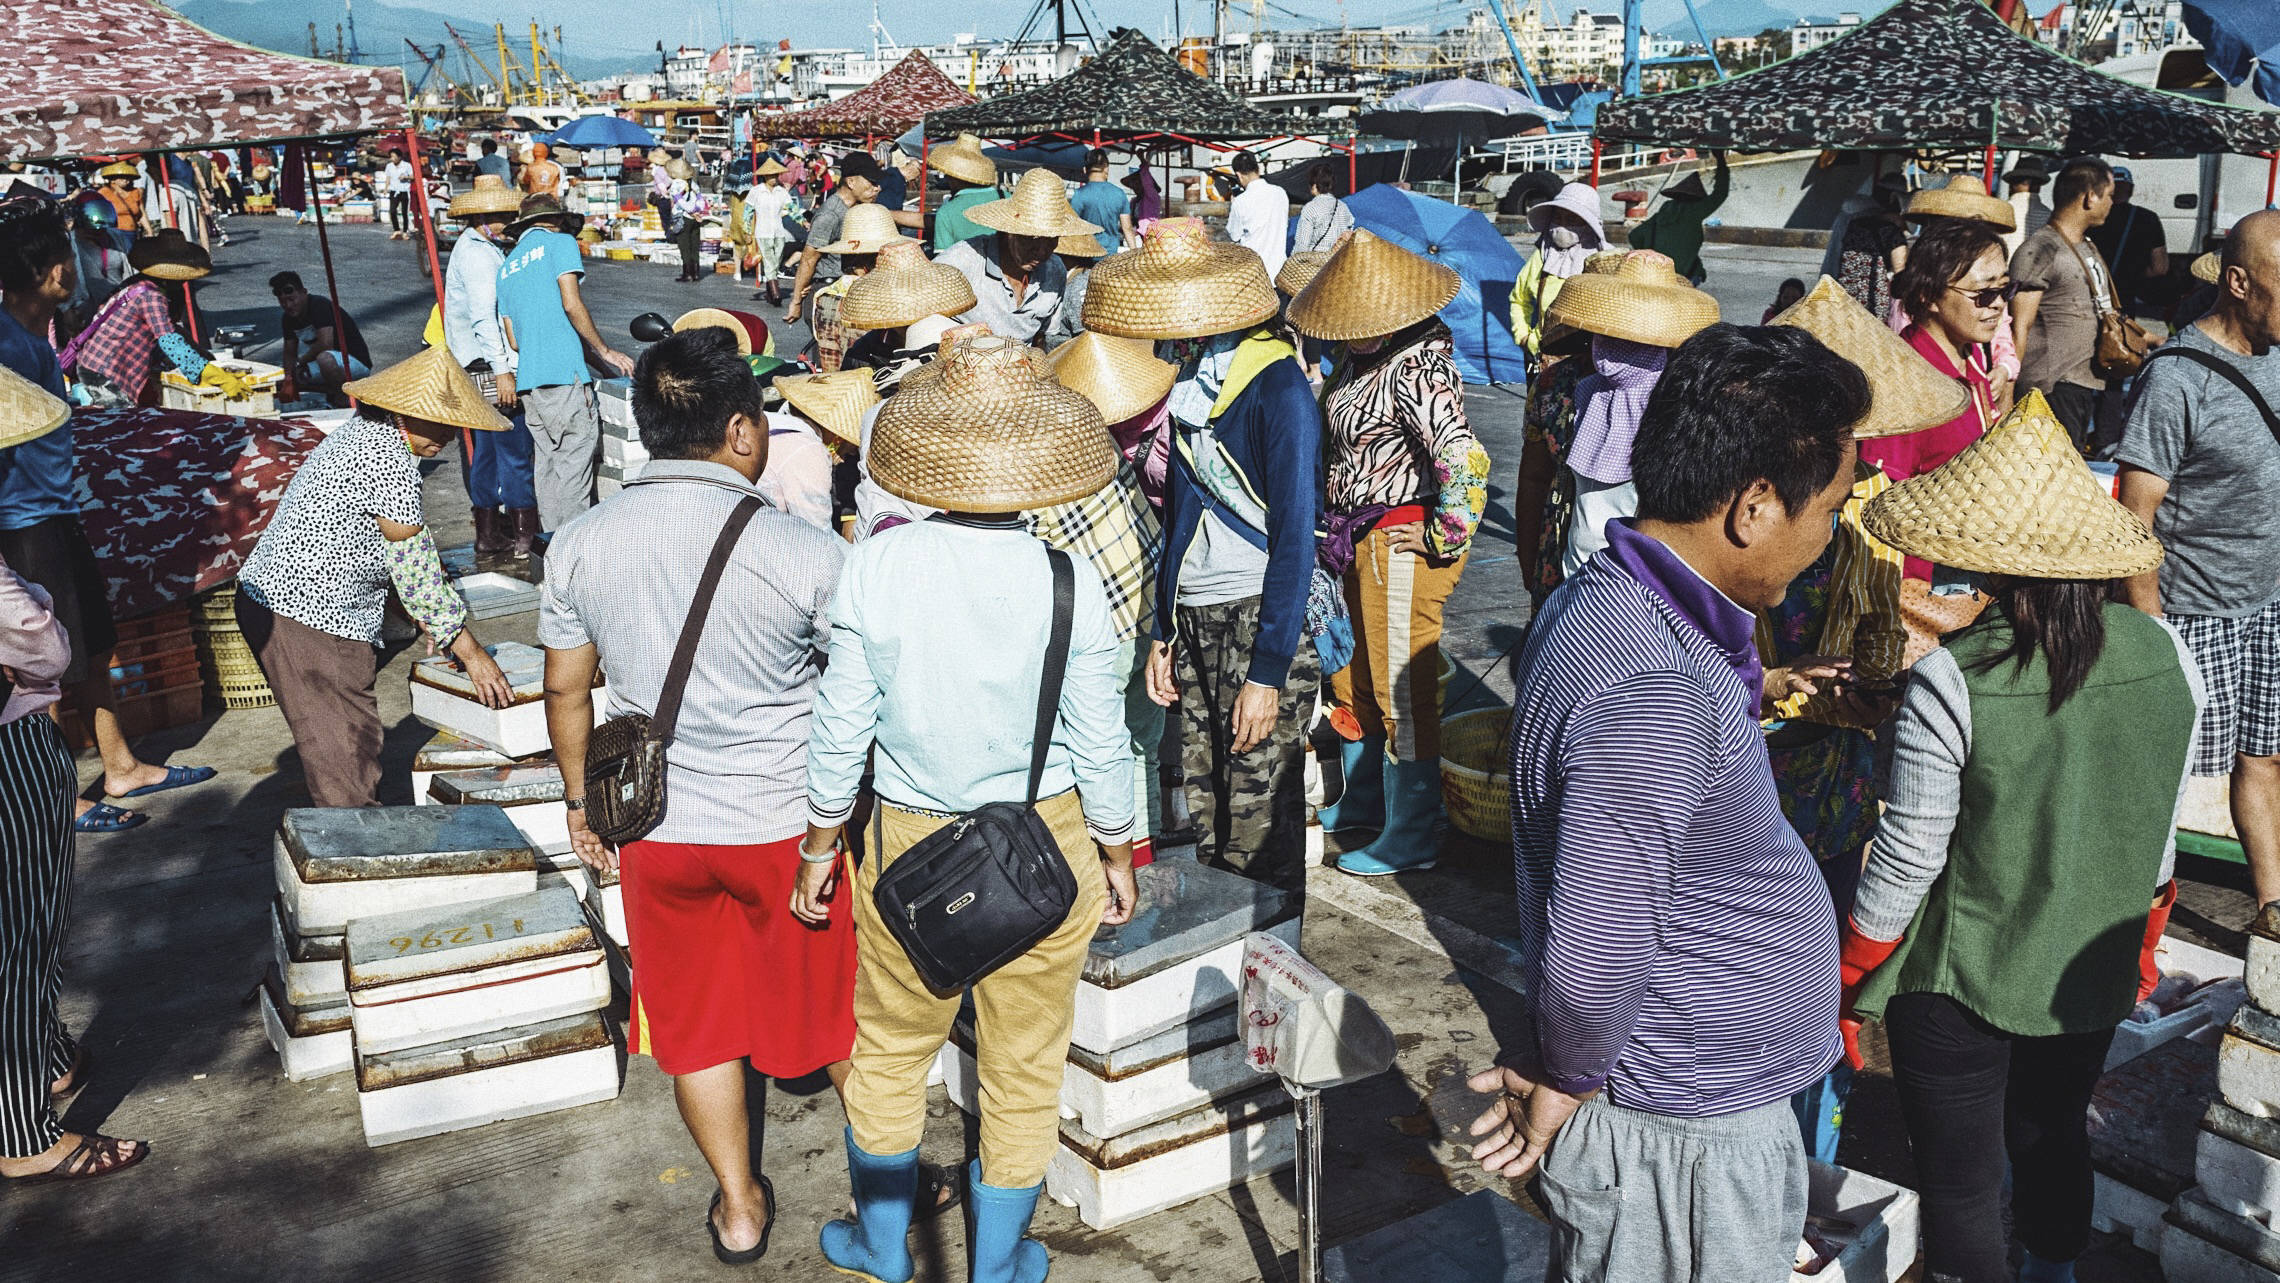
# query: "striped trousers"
37,785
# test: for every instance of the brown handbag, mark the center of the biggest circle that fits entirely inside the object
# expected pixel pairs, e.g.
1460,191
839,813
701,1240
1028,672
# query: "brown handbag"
2122,342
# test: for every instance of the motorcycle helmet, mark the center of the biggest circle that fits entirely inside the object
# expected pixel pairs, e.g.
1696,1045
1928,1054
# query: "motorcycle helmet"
91,211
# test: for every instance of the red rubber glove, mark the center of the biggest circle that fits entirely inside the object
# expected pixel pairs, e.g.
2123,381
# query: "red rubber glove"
2156,922
1857,956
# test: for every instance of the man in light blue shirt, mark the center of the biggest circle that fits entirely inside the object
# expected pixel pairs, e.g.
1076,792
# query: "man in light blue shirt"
1105,204
499,469
547,325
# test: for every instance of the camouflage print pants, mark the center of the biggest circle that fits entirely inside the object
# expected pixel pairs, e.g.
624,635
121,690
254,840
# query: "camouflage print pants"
1249,808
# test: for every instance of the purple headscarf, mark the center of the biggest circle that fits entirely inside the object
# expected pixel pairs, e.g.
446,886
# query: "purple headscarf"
1610,401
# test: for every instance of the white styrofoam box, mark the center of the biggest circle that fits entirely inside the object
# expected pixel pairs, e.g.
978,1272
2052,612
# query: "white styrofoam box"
310,966
311,1042
555,873
1112,1107
2118,1207
2236,1159
448,752
1117,1181
1179,956
2208,807
1111,1018
531,795
2248,1063
605,899
444,698
489,1078
604,487
620,473
2206,1244
2134,1038
623,452
2264,959
938,1073
435,975
492,595
1884,1222
338,863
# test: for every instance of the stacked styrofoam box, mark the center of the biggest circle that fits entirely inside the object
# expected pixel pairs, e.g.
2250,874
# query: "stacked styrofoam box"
1156,1060
447,753
530,793
444,697
2223,1230
622,451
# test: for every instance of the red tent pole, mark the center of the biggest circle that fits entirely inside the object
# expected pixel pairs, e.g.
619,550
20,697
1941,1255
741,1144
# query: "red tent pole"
324,250
1990,168
166,202
2271,178
1353,166
1597,145
421,211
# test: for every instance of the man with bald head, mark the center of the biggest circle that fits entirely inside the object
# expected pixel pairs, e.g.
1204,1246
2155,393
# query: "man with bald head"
2201,462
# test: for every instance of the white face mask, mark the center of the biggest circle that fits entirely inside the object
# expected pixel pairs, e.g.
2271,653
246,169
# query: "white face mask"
1564,237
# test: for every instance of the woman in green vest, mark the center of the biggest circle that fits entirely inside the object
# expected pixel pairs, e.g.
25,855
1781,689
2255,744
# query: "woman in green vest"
2020,874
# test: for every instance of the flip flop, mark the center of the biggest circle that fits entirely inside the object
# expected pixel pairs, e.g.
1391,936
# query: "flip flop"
96,1156
176,777
728,1256
106,818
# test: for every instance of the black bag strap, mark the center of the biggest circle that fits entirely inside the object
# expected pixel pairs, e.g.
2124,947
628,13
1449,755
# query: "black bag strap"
1056,665
692,628
2225,369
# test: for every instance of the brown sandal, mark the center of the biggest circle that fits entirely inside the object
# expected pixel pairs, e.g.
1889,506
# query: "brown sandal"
96,1156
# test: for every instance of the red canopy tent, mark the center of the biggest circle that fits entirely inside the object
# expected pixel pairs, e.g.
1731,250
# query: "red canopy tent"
886,108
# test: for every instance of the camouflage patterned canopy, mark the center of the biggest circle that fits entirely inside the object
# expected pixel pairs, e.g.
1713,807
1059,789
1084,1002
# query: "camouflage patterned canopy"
1133,87
1936,74
107,77
887,107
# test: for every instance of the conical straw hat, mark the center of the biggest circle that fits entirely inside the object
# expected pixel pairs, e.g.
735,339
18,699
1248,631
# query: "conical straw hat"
2018,501
836,401
168,255
1644,300
2208,267
868,229
1084,245
1905,394
1121,376
964,161
1038,206
1180,284
1963,197
767,167
27,410
751,331
429,386
489,195
1298,269
1370,287
981,430
905,287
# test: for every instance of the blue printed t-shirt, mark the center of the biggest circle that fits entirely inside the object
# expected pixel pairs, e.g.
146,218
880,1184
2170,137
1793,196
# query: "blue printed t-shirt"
1104,204
35,477
548,350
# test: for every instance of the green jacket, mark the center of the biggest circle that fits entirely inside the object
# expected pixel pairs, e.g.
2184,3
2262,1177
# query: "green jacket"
1675,230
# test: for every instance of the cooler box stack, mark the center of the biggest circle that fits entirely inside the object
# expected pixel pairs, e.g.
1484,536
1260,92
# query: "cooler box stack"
443,697
448,753
1159,1104
622,452
530,794
2224,1229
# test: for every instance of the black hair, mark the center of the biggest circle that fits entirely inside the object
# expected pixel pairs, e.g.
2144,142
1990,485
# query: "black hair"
1943,255
858,164
286,280
1790,283
2083,176
685,390
1095,159
1736,406
489,145
1244,163
2063,618
34,237
1322,178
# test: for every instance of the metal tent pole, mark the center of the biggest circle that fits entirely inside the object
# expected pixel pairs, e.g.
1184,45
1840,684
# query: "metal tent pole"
1309,1117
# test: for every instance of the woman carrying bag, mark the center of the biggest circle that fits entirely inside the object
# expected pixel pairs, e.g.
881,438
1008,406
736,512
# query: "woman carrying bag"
117,358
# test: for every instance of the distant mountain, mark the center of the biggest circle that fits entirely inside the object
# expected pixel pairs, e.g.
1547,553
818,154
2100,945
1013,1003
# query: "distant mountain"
1743,17
381,30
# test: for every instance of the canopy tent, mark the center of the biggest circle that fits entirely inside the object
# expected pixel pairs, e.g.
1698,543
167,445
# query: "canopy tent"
1480,316
1936,74
911,90
1133,92
106,77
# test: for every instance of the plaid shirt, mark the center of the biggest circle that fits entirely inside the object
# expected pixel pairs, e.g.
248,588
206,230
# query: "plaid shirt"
1118,532
123,348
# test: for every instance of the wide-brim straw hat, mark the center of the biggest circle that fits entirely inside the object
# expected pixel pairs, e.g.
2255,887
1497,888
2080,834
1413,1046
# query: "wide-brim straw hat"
119,169
1300,268
904,287
1180,284
2029,168
867,229
168,255
1121,376
964,161
536,207
1644,300
751,332
835,401
1370,287
2209,267
1084,245
489,195
982,430
2018,501
1963,197
429,386
27,410
1905,393
769,166
1038,206
681,169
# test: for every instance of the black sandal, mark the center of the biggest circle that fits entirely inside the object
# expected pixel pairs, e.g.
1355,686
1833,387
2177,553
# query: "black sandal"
96,1156
721,1251
933,1181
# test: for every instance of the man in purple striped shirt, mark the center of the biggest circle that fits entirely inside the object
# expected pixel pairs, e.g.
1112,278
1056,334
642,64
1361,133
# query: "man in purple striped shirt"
1681,953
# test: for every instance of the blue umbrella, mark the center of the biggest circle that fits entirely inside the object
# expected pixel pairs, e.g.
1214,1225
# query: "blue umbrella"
1481,314
602,131
2236,34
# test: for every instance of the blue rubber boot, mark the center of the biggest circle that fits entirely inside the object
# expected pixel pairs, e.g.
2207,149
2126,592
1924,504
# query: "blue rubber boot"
1411,839
1362,806
2035,1269
997,1224
871,1246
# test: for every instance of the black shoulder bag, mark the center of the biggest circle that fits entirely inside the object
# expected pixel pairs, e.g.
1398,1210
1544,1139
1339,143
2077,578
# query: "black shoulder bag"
625,759
983,889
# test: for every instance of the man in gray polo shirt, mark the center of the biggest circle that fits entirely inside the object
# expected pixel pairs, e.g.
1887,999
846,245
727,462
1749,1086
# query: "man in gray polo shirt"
2201,463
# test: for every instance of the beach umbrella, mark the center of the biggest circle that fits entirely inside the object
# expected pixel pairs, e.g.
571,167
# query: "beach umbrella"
602,131
1480,317
1440,96
1447,112
2238,36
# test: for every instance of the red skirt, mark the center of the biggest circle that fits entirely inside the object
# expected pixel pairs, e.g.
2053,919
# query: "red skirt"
722,971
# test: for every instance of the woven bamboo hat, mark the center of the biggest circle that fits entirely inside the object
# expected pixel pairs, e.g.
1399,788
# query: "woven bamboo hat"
2209,267
905,287
1300,268
168,255
1644,300
119,169
1905,394
1121,376
964,161
429,386
1371,286
982,430
769,166
868,229
835,401
489,195
1038,206
751,331
1963,197
1180,284
681,169
27,410
2018,501
1082,245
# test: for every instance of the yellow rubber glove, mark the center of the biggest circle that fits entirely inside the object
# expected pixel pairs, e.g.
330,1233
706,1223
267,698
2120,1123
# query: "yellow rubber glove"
233,386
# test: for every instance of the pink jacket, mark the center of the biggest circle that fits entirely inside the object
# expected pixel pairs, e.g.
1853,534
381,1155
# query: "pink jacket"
32,644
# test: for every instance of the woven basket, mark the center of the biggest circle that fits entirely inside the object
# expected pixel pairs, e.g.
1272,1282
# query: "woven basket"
1476,777
231,670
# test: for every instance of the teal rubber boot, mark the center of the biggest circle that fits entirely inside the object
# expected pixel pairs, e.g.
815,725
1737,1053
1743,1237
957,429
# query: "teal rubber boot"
872,1245
2035,1269
1362,806
998,1248
1411,839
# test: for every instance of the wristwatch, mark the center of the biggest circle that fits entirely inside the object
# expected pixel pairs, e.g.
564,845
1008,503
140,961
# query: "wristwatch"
574,803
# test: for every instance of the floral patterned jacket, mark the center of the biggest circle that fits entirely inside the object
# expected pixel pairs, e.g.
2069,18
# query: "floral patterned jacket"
1397,435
